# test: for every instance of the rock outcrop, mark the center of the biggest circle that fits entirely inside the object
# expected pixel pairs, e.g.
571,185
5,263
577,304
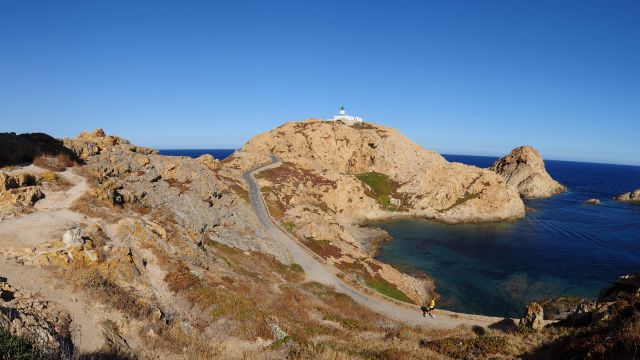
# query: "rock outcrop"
24,148
630,197
592,202
18,193
523,168
533,317
44,324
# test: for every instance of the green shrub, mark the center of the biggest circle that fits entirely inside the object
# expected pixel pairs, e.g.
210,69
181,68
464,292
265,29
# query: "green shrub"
387,289
380,184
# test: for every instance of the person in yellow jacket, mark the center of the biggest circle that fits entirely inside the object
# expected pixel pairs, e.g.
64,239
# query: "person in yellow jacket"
427,309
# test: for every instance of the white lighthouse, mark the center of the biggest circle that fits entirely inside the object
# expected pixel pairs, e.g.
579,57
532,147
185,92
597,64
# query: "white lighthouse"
347,119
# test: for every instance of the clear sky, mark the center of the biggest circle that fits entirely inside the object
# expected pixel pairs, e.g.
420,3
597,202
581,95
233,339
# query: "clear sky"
464,77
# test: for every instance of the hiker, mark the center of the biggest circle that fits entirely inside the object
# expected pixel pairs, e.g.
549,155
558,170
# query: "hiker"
427,309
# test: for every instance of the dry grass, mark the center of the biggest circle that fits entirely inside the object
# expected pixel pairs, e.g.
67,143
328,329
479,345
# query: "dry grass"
89,279
91,206
55,181
324,248
59,162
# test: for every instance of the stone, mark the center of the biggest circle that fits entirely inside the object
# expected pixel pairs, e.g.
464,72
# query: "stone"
592,202
629,197
72,238
533,317
524,169
209,161
91,255
7,182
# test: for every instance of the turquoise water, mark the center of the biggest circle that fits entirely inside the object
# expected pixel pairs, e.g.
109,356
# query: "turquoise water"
562,247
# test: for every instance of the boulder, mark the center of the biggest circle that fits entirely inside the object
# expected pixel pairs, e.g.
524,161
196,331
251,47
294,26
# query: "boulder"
73,238
592,202
533,317
630,197
209,161
7,182
524,169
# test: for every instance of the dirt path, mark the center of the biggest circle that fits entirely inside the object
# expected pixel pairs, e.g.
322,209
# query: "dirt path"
317,270
51,218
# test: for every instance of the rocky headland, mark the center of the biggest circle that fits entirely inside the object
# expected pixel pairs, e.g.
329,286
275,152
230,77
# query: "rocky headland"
523,168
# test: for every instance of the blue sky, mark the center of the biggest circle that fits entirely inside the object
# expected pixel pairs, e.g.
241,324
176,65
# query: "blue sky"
465,77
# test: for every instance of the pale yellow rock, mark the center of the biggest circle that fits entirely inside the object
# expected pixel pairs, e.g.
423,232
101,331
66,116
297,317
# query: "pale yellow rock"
524,169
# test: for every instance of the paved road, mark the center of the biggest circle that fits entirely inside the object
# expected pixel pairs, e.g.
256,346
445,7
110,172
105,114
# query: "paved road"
316,270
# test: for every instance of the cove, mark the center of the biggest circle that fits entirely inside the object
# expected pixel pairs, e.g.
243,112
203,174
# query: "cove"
562,247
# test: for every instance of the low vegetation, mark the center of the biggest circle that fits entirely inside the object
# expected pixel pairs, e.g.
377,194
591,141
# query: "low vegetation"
382,188
59,162
386,288
14,347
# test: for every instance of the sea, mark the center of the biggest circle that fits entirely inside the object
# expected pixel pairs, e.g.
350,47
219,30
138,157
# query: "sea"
561,248
219,154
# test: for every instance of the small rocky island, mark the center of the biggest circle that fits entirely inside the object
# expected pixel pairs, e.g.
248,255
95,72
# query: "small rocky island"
629,197
524,169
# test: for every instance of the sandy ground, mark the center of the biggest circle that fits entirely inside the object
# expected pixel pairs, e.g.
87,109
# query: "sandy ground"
46,224
51,218
317,270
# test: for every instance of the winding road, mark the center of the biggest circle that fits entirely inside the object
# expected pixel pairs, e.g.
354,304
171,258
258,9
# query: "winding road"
317,270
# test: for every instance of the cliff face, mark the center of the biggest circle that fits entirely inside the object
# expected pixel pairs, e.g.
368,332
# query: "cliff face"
421,182
524,169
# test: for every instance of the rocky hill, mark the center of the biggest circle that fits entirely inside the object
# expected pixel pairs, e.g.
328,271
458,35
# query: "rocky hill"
524,169
419,182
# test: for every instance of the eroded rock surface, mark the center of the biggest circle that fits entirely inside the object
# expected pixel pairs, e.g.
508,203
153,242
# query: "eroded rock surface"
43,323
523,168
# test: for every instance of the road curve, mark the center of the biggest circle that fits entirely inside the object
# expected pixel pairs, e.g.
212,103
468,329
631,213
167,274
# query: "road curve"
316,270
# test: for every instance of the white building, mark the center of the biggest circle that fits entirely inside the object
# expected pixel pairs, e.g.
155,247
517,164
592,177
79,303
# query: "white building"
347,119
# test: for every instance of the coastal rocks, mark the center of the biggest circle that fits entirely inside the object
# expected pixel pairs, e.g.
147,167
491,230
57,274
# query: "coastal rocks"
533,317
624,287
43,323
592,202
563,307
524,169
630,197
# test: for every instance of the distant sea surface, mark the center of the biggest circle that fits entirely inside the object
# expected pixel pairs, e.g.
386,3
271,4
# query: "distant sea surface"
561,247
219,154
